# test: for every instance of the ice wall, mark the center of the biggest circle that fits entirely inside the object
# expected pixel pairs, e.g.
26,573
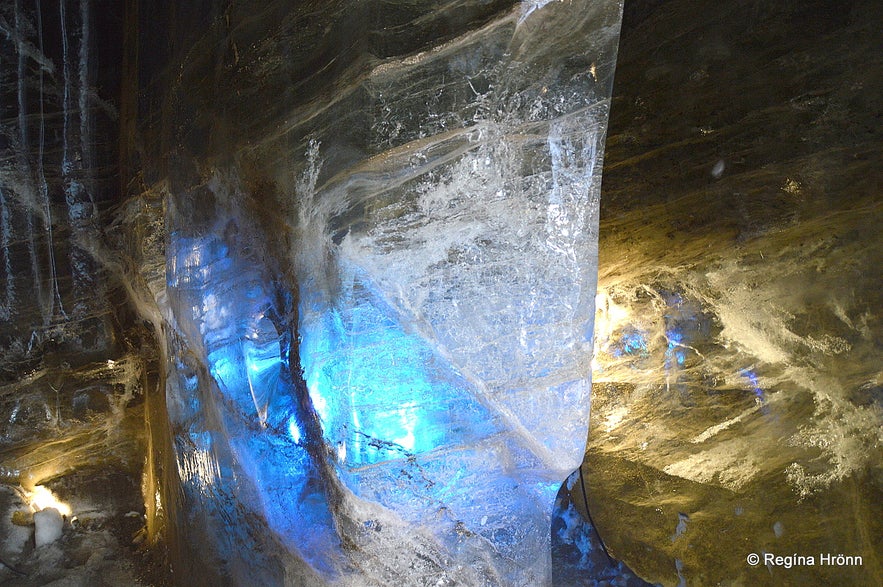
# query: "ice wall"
737,405
380,276
58,159
66,379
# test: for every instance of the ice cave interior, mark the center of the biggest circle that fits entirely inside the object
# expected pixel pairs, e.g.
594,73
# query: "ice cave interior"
320,293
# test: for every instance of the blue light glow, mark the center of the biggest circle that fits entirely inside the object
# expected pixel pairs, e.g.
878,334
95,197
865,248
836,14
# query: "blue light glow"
386,399
674,338
632,342
675,348
381,392
751,376
220,304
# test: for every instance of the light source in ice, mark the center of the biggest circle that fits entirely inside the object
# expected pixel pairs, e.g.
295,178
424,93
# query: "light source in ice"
41,498
385,402
609,317
294,429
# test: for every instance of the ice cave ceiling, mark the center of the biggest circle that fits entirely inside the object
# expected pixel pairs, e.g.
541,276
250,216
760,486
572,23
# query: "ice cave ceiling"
303,293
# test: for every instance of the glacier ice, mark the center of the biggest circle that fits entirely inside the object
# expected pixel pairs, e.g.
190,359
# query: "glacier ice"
400,388
390,370
338,193
378,228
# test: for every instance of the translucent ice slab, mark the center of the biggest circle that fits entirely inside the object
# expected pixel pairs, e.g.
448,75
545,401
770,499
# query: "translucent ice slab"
400,393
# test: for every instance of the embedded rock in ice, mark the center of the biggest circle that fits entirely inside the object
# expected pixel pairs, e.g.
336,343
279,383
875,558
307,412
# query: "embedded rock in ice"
391,369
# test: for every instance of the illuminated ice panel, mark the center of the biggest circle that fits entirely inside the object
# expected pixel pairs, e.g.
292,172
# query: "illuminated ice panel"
487,254
382,392
412,435
445,323
239,438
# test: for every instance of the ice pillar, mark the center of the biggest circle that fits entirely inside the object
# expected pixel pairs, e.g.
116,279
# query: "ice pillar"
447,287
408,415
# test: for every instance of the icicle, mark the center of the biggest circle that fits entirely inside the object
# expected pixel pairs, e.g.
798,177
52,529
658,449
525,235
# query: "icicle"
66,163
24,154
85,134
47,305
7,308
22,87
79,205
70,158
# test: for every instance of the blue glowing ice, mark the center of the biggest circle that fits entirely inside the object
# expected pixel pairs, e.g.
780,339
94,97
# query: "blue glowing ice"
632,342
383,393
753,380
410,414
244,435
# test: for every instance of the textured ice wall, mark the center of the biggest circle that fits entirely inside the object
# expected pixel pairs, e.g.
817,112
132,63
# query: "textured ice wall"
68,376
54,157
738,330
379,317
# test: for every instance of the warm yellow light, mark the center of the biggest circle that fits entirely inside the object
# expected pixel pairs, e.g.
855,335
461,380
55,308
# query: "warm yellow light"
608,314
41,498
615,418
